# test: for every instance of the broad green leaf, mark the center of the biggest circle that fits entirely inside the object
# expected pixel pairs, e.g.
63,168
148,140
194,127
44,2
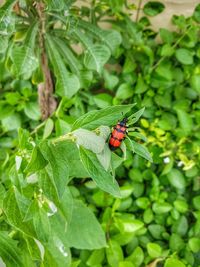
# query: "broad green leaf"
176,179
194,244
111,38
103,100
6,8
173,262
196,14
184,56
96,257
89,140
15,207
161,208
195,82
135,117
9,251
37,161
56,5
137,256
141,86
114,253
56,253
67,84
107,116
68,55
176,242
96,55
23,57
103,179
130,225
12,122
58,165
48,128
141,150
166,36
126,264
185,121
105,157
124,91
3,43
32,111
83,221
153,8
154,250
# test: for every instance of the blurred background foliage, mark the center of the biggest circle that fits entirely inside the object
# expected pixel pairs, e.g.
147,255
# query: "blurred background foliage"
157,220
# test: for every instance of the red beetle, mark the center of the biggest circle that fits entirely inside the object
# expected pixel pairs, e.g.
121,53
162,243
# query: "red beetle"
118,134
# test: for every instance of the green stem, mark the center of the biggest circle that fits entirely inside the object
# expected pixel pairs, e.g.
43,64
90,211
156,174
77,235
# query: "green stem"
174,46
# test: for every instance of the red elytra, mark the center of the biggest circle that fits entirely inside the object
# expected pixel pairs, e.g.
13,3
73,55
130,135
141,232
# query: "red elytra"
118,134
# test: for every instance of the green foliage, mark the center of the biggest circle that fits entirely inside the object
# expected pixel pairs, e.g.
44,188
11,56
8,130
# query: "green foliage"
65,198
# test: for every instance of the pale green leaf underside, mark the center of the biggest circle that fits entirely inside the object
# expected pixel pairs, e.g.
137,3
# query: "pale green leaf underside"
103,179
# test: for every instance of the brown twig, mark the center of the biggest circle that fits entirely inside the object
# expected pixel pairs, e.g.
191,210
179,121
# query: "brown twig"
47,102
138,10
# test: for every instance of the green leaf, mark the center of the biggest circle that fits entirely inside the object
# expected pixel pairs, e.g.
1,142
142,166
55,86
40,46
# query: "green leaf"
48,128
161,208
67,84
40,220
166,36
114,253
124,91
194,244
140,150
37,161
59,170
103,100
56,253
154,250
195,82
96,55
173,262
108,116
12,122
6,8
111,38
102,178
185,121
96,257
105,157
135,117
176,179
83,221
23,57
137,256
68,56
176,243
184,56
15,206
141,86
196,14
89,140
9,251
56,5
153,8
32,111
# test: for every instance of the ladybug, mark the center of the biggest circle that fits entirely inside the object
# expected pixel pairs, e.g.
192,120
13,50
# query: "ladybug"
118,134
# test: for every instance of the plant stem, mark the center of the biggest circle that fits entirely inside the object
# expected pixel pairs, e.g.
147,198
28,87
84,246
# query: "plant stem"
45,89
174,46
138,10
